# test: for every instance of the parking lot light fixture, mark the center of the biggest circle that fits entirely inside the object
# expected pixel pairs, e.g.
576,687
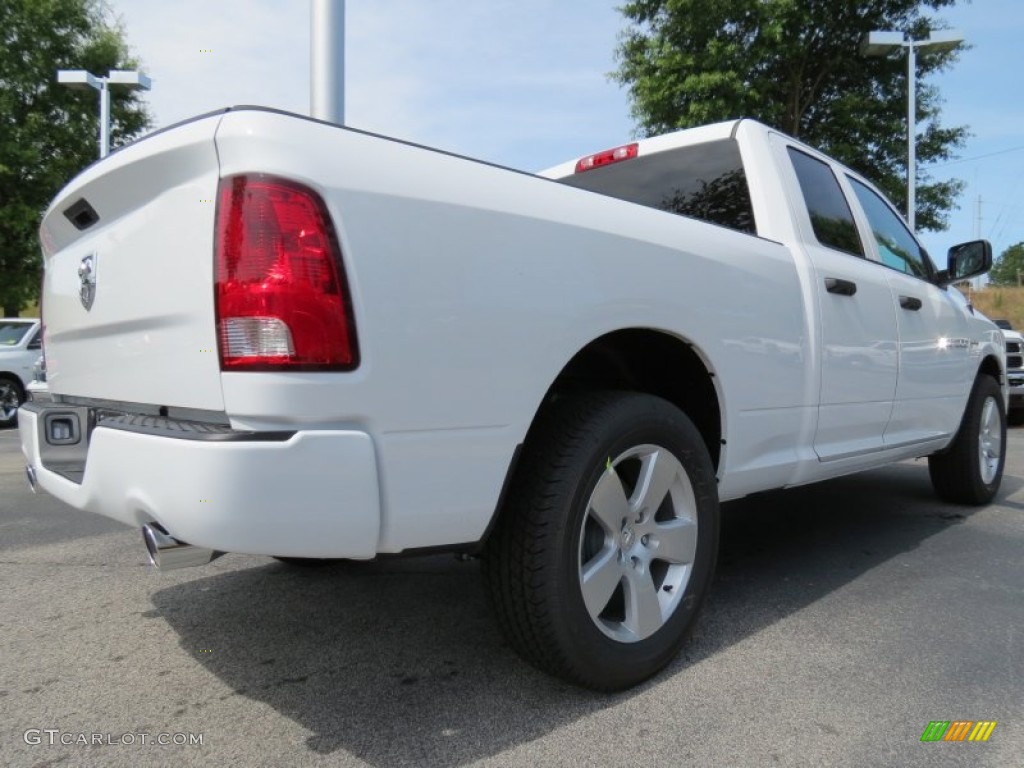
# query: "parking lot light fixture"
82,80
885,42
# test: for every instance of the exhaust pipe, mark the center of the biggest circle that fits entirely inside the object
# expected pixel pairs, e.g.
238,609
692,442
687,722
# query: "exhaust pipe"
166,553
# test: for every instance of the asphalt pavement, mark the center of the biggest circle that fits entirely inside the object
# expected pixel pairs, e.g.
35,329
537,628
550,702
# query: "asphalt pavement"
845,617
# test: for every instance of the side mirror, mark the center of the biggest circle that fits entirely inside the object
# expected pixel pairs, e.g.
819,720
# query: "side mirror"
967,260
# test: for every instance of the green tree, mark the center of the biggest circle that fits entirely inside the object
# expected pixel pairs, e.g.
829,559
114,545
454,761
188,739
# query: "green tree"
48,132
1009,267
795,65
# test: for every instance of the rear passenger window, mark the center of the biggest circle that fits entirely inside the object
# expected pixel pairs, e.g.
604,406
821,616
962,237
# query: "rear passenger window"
831,218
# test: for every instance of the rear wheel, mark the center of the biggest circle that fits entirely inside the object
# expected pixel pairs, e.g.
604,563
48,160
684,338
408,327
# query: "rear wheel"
11,397
971,469
604,552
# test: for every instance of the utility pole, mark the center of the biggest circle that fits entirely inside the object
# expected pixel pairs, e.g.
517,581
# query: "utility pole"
327,61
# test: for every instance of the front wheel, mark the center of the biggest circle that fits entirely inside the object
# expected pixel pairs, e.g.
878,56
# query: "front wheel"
11,398
970,470
605,549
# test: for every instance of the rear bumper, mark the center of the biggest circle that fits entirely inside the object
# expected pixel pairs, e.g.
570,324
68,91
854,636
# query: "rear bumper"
313,494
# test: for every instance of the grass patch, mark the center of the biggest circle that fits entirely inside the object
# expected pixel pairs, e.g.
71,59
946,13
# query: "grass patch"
997,302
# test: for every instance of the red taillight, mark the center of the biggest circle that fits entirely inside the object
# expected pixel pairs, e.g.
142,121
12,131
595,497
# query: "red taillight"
282,301
609,156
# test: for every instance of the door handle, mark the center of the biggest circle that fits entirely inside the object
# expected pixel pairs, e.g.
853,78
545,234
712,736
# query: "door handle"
911,303
842,287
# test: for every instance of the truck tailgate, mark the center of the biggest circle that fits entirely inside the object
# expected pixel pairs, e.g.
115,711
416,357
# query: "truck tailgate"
128,286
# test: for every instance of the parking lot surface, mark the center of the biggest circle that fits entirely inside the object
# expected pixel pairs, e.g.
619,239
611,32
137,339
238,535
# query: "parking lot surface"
844,618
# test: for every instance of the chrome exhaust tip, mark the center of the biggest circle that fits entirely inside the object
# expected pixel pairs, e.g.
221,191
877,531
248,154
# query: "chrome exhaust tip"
30,473
166,553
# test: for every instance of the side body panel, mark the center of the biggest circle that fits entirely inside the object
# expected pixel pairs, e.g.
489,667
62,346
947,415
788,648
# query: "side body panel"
939,358
473,287
926,360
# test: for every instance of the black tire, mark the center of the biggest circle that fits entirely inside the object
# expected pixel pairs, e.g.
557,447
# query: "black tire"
550,535
12,395
1015,417
970,470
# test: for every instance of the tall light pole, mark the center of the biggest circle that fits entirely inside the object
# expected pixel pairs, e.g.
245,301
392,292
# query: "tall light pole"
82,80
327,60
882,43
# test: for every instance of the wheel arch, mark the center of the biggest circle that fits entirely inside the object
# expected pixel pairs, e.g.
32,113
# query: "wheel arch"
15,378
990,367
654,362
20,391
644,360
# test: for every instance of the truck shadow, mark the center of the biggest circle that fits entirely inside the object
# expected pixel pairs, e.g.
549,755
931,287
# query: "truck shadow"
399,662
781,551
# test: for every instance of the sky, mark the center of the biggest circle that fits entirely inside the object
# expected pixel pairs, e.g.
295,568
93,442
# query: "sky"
524,83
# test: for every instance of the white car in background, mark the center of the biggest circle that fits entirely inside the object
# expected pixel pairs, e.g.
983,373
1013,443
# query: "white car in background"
1015,375
38,389
21,342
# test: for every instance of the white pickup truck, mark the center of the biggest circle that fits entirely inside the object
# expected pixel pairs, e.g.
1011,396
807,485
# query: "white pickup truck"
268,334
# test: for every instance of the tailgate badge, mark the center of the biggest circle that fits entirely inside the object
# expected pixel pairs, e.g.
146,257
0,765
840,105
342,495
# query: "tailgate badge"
87,275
